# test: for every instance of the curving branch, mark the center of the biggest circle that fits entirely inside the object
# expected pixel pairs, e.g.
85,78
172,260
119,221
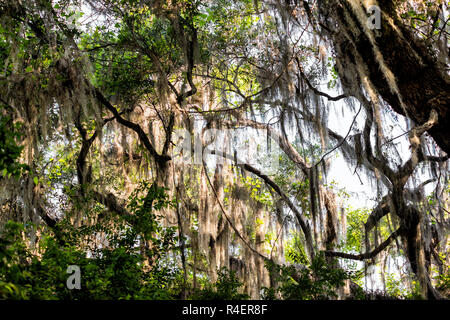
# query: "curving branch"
417,155
367,255
381,210
314,89
303,223
159,158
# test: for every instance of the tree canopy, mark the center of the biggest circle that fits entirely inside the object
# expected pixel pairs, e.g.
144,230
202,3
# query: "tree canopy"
189,149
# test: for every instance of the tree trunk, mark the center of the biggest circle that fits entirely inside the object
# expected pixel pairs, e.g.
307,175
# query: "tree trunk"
422,84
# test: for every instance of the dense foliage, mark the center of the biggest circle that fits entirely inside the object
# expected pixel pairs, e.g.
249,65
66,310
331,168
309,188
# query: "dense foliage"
219,149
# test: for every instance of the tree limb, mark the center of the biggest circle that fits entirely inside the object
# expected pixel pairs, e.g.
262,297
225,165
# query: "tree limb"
367,255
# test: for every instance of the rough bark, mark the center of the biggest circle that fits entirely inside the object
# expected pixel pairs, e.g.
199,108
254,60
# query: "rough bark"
422,83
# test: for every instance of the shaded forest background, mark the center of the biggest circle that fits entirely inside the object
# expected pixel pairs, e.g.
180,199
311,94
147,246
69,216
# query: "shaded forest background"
94,172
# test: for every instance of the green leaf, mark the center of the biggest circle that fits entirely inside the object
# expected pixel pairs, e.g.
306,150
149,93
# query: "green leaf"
36,180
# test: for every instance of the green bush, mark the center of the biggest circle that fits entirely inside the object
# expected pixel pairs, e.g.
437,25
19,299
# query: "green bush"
227,287
119,271
309,282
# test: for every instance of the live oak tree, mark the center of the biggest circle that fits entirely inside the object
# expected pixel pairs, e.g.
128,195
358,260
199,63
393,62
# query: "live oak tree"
93,94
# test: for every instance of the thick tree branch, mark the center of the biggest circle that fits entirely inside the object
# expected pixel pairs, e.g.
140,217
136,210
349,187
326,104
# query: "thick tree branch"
303,223
377,213
367,255
315,90
417,156
161,159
